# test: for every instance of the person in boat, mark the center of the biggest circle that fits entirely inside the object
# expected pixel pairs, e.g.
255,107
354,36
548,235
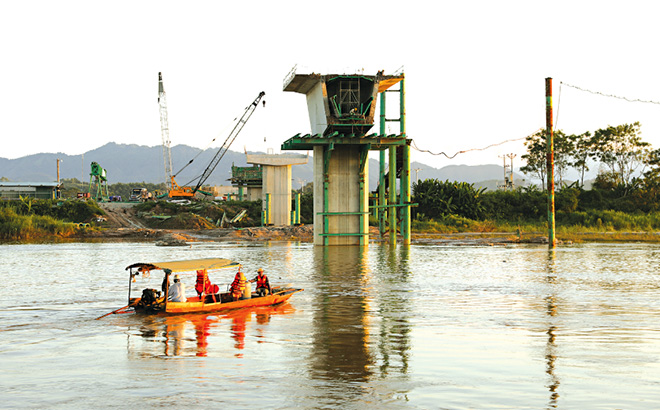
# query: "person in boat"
166,283
263,286
238,285
177,292
204,285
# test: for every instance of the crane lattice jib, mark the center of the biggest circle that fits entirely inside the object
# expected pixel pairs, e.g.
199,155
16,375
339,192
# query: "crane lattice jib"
165,131
230,139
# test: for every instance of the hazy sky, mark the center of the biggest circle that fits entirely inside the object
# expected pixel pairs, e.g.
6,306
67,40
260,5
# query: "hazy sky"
76,75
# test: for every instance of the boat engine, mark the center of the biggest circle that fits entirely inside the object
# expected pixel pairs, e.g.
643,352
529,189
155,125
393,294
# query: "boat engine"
150,297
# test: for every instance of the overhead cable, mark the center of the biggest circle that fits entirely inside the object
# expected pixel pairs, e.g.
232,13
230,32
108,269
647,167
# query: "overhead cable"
473,149
610,95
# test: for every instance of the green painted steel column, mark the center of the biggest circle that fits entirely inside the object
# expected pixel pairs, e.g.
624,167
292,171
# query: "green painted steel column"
550,162
382,212
240,192
361,208
296,219
405,195
266,220
392,196
402,106
405,173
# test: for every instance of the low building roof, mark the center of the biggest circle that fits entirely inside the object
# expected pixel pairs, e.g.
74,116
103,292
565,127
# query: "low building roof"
32,184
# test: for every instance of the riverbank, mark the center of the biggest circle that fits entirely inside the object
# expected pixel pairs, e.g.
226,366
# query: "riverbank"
174,237
123,222
304,233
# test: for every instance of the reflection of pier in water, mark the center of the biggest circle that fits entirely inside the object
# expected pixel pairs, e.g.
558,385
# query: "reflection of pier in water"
361,320
171,334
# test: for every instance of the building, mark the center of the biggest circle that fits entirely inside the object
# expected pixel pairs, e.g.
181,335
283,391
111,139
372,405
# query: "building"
38,190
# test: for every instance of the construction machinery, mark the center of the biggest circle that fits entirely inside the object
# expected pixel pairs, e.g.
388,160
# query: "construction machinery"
173,189
98,183
187,191
139,195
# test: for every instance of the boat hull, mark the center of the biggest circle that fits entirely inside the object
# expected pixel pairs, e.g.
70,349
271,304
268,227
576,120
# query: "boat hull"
194,305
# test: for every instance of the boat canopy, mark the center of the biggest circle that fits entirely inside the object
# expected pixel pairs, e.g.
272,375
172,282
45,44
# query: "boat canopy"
186,265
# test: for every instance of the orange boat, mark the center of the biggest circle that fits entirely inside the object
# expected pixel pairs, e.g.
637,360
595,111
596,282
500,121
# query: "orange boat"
151,301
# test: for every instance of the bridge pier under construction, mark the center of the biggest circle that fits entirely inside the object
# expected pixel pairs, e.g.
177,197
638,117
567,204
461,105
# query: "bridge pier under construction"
341,112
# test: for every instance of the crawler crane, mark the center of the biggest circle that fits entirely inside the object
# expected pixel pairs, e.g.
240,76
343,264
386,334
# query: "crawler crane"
174,190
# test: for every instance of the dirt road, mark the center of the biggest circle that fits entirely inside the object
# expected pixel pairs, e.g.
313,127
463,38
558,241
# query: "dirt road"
121,215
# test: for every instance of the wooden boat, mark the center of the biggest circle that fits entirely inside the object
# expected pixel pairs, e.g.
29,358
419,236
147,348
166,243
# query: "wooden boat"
151,301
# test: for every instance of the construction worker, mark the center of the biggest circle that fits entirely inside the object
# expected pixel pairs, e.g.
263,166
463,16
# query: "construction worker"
263,285
238,285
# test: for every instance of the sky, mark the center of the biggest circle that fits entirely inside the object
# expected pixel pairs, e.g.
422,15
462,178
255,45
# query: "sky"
76,75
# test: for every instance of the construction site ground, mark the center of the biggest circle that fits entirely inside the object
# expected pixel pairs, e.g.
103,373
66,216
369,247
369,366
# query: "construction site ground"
124,222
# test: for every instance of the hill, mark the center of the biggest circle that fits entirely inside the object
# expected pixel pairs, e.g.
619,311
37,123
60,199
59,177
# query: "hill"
128,163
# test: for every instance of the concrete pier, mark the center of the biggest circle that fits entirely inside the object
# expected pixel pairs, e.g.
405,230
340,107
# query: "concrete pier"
341,112
276,182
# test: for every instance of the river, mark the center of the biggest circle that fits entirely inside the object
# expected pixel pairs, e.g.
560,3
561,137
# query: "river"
423,327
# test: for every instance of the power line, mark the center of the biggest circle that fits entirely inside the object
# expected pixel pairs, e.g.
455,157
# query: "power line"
610,95
472,149
557,115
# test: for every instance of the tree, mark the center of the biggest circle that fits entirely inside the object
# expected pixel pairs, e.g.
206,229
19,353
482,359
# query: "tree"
582,151
536,157
647,195
563,147
622,150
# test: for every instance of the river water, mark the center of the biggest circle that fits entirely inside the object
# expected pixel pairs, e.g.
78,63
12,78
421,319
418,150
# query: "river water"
424,327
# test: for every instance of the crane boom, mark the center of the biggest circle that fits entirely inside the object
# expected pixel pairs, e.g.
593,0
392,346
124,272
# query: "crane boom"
165,132
230,139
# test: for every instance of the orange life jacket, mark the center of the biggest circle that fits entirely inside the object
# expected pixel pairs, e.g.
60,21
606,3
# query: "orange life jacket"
238,285
262,281
204,285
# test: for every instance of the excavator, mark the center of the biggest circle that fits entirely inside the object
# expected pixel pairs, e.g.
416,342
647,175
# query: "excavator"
175,191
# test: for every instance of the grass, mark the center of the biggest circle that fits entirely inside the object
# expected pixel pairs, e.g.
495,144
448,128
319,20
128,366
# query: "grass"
32,227
598,226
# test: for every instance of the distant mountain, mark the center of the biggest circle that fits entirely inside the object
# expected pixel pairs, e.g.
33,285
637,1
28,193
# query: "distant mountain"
128,163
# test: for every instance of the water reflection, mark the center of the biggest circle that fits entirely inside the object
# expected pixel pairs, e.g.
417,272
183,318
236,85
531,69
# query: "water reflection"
551,345
362,315
340,330
394,309
172,333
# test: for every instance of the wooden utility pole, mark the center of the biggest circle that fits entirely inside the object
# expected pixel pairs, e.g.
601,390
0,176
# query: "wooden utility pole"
506,184
511,157
550,163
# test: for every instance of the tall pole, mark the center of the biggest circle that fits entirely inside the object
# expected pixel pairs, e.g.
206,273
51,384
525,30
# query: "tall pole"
511,157
58,178
504,170
382,201
405,172
391,201
550,163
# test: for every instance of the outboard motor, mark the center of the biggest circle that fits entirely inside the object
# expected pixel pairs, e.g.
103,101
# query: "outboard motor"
150,296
